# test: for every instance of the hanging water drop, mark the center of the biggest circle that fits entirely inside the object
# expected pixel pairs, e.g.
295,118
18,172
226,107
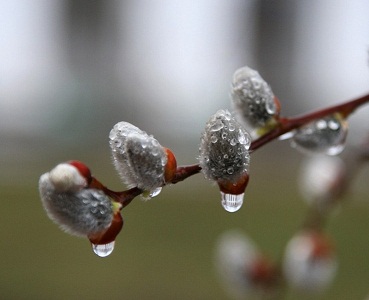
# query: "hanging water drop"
103,250
155,192
230,202
326,135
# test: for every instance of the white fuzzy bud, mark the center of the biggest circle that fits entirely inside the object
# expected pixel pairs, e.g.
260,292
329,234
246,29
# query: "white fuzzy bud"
77,209
309,262
243,270
224,148
66,178
322,179
253,98
139,158
235,254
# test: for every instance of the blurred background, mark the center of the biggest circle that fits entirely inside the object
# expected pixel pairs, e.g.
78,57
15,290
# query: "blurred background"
70,70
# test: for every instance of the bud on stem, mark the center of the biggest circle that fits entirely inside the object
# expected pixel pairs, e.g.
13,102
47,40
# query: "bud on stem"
79,204
140,160
224,157
254,100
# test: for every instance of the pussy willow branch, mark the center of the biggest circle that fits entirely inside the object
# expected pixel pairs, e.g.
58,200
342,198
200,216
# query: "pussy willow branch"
287,124
283,126
127,196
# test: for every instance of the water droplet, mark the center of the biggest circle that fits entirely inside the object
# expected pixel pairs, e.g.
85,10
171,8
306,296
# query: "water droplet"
270,106
155,192
251,94
224,135
154,151
321,124
333,124
335,149
326,135
213,139
103,250
256,83
113,134
227,116
241,138
153,141
136,150
230,202
286,136
244,139
232,127
93,210
218,125
118,143
233,142
230,171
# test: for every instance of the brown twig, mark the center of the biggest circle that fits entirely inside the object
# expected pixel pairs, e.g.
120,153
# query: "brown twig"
287,124
283,126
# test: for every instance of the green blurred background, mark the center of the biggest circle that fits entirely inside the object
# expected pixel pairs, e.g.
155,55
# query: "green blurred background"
71,69
166,248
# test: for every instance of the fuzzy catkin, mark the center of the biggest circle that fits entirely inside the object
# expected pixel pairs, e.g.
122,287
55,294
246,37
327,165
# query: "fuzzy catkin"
252,97
224,148
78,212
138,157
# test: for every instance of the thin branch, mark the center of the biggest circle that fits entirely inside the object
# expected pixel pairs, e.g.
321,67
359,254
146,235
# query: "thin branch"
288,124
285,125
127,196
184,172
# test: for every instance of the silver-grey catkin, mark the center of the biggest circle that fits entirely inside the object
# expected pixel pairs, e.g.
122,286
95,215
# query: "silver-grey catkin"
224,148
138,157
81,212
252,97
